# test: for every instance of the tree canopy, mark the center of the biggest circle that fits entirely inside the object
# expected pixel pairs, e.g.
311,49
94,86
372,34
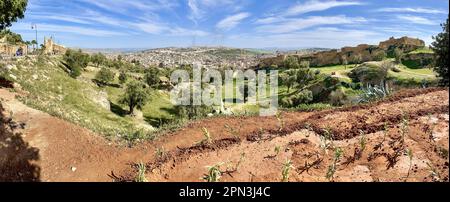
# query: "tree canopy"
11,11
440,47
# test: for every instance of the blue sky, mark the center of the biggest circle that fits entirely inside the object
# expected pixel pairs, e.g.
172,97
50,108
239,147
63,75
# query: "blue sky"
235,23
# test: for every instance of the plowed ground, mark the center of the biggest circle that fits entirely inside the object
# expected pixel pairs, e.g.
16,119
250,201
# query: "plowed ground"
411,120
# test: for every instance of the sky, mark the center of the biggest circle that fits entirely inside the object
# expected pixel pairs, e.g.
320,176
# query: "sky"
232,23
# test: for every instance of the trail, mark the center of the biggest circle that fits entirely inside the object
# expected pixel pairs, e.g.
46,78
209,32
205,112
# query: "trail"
67,152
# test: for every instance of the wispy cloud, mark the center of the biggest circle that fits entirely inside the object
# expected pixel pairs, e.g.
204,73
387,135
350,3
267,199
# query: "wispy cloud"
412,10
290,25
316,5
70,29
417,20
232,21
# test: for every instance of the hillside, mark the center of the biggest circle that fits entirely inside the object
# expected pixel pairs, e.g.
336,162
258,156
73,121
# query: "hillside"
55,150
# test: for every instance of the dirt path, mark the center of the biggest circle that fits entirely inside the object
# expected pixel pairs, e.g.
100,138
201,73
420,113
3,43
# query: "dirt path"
55,150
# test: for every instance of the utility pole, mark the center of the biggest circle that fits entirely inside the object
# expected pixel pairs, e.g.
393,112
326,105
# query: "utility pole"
34,26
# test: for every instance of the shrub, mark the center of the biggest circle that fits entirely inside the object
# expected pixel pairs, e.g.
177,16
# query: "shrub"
372,93
368,74
123,77
152,75
75,61
337,97
104,76
302,97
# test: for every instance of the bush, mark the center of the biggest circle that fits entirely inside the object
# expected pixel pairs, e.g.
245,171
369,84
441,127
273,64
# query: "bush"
302,97
104,76
75,61
368,74
338,97
152,75
123,77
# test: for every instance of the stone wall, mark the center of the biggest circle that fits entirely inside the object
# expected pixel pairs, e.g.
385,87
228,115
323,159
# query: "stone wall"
11,49
358,54
51,48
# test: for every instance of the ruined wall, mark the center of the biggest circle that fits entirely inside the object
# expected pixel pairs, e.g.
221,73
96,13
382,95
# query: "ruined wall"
51,48
360,53
405,44
11,49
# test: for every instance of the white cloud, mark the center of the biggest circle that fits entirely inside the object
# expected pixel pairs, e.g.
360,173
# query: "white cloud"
290,25
412,10
69,29
232,21
320,37
315,5
199,8
417,20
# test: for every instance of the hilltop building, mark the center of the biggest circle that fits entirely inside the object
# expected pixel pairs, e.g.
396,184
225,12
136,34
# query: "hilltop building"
52,48
10,49
358,54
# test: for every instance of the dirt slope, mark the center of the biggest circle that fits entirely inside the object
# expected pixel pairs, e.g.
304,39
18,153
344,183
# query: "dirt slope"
55,150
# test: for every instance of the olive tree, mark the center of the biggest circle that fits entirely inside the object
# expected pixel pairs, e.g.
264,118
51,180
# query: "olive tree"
135,96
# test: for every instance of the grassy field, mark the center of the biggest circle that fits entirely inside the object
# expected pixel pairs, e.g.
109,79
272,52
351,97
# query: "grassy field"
50,89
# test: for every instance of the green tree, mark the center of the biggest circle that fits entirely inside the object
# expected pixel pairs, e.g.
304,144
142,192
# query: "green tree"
75,61
135,96
152,75
398,54
123,77
304,64
291,62
288,79
105,76
98,59
11,11
440,47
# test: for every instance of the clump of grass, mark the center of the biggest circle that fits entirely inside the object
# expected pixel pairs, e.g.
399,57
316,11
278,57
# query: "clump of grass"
214,174
233,131
434,173
409,152
279,117
142,169
241,160
404,128
206,137
326,141
286,170
277,150
160,152
333,167
362,143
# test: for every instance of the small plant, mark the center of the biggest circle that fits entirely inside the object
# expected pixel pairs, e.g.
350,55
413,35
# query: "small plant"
286,170
280,120
233,131
214,174
241,160
362,141
160,152
404,128
277,150
385,133
434,174
207,137
142,169
372,93
410,156
332,168
326,141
